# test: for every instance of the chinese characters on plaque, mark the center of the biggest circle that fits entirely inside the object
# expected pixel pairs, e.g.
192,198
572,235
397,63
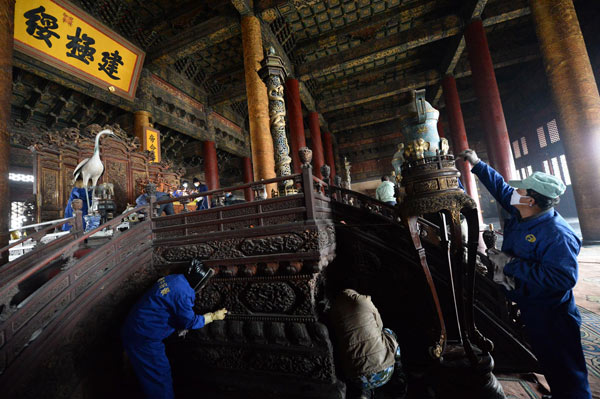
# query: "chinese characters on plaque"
152,142
58,33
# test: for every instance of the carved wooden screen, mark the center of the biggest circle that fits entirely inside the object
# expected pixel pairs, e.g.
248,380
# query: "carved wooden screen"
56,154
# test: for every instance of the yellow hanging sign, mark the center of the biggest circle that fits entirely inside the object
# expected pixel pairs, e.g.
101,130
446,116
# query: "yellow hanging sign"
152,142
61,35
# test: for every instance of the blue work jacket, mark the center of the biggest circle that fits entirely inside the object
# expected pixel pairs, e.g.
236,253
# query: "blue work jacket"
76,193
168,306
545,248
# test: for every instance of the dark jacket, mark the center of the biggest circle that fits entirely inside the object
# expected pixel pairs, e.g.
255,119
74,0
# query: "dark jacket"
361,346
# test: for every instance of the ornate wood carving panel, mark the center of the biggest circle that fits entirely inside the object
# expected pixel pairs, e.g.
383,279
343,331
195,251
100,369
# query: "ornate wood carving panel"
116,173
59,152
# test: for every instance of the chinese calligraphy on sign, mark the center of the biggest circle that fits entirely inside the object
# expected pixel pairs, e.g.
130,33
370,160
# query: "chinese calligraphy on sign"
151,142
41,25
61,35
80,47
110,64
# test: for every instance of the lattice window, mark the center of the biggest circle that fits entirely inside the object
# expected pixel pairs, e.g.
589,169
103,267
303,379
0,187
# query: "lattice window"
20,177
565,169
553,131
516,149
524,146
529,170
546,167
518,175
17,214
555,167
541,137
523,173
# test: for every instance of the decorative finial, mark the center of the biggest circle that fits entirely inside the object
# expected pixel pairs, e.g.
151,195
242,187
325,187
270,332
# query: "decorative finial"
325,172
305,154
271,50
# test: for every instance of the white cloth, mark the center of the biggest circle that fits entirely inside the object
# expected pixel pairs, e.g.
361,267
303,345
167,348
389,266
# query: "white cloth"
499,261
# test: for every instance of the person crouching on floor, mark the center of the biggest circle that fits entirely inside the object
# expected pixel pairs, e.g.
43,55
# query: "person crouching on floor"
367,353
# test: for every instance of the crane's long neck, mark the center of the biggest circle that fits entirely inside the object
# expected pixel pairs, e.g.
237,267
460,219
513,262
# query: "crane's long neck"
97,145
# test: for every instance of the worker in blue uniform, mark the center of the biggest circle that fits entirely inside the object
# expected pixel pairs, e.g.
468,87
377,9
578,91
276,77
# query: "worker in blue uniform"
78,192
201,202
164,309
538,269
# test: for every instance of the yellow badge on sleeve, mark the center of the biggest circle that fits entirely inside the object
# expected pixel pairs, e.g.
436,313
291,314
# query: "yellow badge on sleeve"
530,238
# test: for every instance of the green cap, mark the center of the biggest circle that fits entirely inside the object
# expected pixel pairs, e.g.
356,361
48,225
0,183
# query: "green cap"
543,183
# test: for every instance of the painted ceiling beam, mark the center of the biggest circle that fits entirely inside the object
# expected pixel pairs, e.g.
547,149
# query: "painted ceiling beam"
349,137
229,96
366,76
357,96
377,92
509,57
196,39
376,49
372,118
366,26
244,7
366,119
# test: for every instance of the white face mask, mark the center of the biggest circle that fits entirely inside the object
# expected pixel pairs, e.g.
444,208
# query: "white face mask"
196,184
515,199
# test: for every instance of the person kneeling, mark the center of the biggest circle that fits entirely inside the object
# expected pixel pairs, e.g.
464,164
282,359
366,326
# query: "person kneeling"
367,353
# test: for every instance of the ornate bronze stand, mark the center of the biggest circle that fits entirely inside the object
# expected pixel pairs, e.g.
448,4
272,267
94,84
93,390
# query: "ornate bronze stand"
430,179
432,188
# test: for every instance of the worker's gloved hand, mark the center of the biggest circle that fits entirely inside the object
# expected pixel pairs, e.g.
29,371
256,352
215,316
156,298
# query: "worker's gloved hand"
470,155
500,259
218,315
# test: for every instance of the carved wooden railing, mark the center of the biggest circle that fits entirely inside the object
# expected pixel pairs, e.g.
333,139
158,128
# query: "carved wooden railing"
44,297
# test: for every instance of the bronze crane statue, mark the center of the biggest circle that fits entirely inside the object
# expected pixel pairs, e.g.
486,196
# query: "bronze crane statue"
91,168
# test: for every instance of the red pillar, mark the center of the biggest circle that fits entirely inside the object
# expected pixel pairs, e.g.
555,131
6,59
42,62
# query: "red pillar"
247,166
297,139
458,135
211,169
488,96
328,148
315,136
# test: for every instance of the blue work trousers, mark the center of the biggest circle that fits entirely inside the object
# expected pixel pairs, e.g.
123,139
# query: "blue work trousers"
555,338
151,365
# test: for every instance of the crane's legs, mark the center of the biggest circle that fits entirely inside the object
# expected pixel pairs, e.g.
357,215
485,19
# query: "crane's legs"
87,198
